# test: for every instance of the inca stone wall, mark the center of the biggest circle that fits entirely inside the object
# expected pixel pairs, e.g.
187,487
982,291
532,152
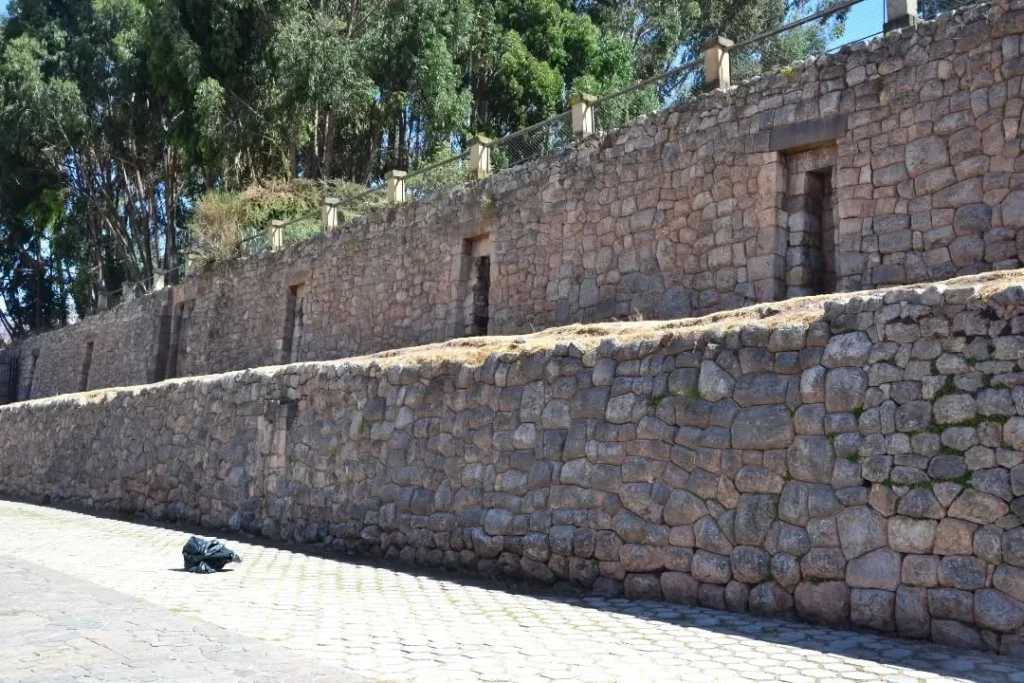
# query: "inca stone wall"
853,460
890,162
123,343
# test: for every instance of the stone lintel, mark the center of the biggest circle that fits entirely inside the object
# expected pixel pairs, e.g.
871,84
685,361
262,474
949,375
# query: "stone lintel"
798,137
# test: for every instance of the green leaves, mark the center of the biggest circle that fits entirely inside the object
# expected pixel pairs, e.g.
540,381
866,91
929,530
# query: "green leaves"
125,120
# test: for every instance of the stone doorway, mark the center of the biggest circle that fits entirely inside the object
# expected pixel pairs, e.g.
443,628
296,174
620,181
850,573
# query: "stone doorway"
294,325
811,226
476,285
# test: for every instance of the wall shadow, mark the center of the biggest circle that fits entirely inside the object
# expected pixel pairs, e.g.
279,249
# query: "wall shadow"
870,647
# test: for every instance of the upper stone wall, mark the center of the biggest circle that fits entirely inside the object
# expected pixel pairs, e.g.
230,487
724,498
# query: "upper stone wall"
889,162
857,459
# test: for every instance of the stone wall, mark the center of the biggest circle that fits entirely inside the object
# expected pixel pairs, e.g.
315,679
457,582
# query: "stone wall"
893,161
123,345
850,460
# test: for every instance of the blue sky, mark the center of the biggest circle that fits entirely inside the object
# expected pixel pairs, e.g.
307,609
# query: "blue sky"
865,19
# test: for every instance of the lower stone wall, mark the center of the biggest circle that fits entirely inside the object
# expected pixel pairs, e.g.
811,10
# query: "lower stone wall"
853,460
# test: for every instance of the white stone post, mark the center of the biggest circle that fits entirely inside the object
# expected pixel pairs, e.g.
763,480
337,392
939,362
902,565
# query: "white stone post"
899,14
276,235
332,213
716,63
583,115
396,186
479,157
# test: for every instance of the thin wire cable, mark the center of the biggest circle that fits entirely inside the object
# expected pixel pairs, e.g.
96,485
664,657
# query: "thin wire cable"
794,24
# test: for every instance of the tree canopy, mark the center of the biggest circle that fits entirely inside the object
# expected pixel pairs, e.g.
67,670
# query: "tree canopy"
120,116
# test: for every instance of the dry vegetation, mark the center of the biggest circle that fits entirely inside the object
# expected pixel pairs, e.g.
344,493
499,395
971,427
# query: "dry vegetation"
474,350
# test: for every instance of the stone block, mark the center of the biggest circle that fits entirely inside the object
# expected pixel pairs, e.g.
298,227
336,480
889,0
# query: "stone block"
770,600
844,389
679,588
762,427
683,508
714,383
861,530
643,586
711,568
909,535
827,602
823,563
956,634
962,571
810,459
995,610
754,516
847,350
872,608
911,611
978,507
951,603
876,569
955,537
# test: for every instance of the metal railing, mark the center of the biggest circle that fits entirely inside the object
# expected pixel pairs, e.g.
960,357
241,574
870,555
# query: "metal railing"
438,176
610,110
532,142
666,89
354,205
294,230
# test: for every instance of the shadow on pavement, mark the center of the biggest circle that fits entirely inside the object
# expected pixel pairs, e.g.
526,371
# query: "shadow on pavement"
872,647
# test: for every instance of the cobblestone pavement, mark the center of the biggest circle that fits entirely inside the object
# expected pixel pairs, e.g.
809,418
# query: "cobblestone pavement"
78,591
54,627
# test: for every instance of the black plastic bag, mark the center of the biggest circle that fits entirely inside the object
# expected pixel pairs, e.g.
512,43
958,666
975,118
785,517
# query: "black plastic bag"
204,556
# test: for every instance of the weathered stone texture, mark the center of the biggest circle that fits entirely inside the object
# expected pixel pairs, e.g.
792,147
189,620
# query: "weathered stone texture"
579,458
691,210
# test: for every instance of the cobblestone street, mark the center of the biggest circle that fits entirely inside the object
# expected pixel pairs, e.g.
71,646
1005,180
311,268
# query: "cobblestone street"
85,598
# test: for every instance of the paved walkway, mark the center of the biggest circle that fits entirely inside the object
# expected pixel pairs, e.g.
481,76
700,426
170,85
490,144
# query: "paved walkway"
85,598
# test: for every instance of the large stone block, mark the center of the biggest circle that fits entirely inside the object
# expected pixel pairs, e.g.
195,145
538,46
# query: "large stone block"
714,383
995,610
770,600
711,568
708,536
955,537
909,535
911,610
827,602
844,389
1009,580
861,530
756,479
683,508
980,508
641,558
873,608
823,563
876,569
962,571
810,459
762,427
679,587
847,350
951,603
643,586
754,516
750,565
765,388
925,154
